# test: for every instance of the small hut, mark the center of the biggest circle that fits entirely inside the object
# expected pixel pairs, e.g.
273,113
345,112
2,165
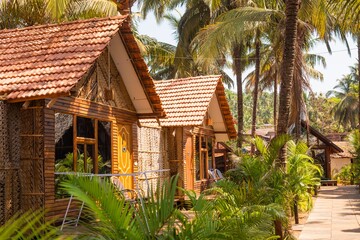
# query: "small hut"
71,97
198,116
321,147
341,159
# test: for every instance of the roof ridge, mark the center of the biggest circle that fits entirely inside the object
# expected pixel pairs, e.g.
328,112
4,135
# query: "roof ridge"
188,78
64,23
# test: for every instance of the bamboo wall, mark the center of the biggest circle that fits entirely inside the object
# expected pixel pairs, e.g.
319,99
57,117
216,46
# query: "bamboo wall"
32,156
152,155
179,146
10,170
22,163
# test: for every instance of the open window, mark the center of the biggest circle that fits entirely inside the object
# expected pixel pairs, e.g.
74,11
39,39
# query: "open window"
83,145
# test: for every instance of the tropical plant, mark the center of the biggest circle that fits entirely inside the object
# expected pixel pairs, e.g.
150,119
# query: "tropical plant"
354,139
239,207
287,187
302,176
345,175
346,92
29,225
265,177
319,113
229,216
66,165
23,13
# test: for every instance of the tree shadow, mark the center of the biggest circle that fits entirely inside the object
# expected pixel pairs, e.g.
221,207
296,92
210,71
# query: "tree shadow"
355,230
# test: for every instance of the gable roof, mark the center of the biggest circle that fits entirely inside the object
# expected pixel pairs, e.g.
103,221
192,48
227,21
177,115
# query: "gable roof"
321,137
186,101
48,60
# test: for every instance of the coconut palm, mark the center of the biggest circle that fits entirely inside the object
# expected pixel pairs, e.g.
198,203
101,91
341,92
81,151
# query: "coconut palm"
179,60
348,16
287,66
346,110
23,13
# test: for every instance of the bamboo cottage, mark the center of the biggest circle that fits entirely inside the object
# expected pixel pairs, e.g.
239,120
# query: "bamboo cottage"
198,116
71,97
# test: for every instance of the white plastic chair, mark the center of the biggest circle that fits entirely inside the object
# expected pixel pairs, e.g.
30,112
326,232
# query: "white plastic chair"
218,173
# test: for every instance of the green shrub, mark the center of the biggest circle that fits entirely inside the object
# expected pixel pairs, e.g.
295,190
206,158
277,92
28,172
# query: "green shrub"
345,175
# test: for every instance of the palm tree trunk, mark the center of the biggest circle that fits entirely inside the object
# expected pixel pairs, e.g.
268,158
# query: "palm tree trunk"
256,90
296,210
275,100
237,52
278,229
287,69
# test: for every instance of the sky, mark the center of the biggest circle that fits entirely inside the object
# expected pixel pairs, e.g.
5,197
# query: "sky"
337,63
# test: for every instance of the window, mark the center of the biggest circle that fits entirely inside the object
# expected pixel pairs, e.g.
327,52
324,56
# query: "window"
203,156
85,150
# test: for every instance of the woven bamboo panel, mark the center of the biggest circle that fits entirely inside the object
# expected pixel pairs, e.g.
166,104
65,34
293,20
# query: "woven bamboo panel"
32,158
10,199
152,156
92,87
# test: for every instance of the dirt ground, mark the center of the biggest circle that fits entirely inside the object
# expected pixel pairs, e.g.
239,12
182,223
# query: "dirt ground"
296,228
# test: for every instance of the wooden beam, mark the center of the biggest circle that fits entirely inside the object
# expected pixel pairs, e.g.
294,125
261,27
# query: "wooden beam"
26,104
51,103
39,97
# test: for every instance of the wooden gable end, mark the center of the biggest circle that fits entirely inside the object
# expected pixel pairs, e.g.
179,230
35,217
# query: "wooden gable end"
104,84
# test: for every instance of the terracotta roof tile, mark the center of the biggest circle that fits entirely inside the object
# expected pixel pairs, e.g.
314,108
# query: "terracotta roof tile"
186,101
46,60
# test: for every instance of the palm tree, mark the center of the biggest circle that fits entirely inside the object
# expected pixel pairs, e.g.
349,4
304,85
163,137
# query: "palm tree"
348,16
22,13
346,110
287,66
231,32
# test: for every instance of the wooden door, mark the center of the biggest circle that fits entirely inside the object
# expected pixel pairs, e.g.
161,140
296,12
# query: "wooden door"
189,163
125,161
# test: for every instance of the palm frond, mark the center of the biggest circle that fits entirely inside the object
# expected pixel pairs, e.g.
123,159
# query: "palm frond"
28,225
113,213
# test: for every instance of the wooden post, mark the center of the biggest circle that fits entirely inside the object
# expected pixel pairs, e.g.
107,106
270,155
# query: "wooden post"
327,163
74,142
96,146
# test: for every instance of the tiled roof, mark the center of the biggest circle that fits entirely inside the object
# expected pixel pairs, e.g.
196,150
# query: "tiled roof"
48,60
186,101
